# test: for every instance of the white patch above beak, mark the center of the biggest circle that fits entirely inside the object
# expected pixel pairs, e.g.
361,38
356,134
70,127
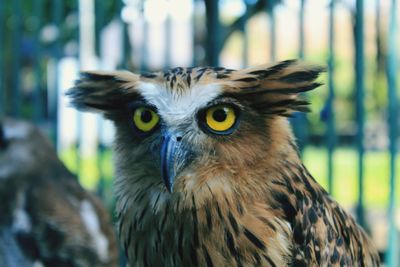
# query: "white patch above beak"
173,106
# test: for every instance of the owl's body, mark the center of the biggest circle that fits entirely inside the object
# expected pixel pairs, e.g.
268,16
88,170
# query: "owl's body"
208,172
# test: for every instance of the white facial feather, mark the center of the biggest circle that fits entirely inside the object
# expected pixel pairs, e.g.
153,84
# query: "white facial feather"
174,107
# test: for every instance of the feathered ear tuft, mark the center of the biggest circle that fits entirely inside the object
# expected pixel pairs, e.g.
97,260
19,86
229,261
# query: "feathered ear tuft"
103,91
274,90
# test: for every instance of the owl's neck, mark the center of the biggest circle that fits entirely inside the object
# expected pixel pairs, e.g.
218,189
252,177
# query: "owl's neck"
156,226
225,230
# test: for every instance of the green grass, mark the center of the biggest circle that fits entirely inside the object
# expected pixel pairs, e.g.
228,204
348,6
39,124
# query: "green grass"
345,183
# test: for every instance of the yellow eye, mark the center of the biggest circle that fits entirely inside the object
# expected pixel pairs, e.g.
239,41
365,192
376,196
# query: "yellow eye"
145,119
220,118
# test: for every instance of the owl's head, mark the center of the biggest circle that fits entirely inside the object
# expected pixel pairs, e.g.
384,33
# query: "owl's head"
187,130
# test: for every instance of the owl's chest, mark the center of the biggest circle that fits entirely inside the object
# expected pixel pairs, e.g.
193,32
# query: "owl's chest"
165,240
202,237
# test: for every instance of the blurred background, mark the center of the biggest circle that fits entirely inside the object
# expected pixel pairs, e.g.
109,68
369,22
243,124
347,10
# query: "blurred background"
348,141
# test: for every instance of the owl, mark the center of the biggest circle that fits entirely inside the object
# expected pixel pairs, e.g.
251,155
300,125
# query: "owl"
208,172
46,218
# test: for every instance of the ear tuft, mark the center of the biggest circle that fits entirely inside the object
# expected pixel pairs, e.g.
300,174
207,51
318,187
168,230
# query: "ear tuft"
97,76
297,90
302,75
103,91
275,89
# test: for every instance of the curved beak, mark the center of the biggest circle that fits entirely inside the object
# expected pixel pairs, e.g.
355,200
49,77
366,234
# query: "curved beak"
174,157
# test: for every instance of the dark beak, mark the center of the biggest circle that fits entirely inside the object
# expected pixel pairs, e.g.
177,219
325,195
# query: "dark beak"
174,157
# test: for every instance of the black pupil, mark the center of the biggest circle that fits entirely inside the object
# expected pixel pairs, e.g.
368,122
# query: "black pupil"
146,116
220,115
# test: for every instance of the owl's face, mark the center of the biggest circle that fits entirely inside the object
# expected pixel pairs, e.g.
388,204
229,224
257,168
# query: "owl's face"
187,130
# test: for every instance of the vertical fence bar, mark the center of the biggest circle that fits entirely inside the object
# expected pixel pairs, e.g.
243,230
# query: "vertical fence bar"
392,252
213,42
168,36
16,58
271,11
245,49
360,110
37,96
53,110
99,24
378,39
124,64
100,155
194,39
331,131
301,30
2,69
126,46
299,120
145,37
100,150
77,147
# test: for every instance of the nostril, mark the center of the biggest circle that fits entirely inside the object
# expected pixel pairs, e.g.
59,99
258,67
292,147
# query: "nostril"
178,138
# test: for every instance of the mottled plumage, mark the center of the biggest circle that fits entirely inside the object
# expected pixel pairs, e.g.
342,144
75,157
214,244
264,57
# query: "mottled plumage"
190,193
46,218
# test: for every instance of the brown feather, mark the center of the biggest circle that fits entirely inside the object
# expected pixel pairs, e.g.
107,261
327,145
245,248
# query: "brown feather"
245,199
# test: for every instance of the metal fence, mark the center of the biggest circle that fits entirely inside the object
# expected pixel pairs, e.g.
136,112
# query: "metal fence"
35,36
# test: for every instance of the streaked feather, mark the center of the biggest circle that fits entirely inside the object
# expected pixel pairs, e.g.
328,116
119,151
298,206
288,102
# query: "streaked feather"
246,199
